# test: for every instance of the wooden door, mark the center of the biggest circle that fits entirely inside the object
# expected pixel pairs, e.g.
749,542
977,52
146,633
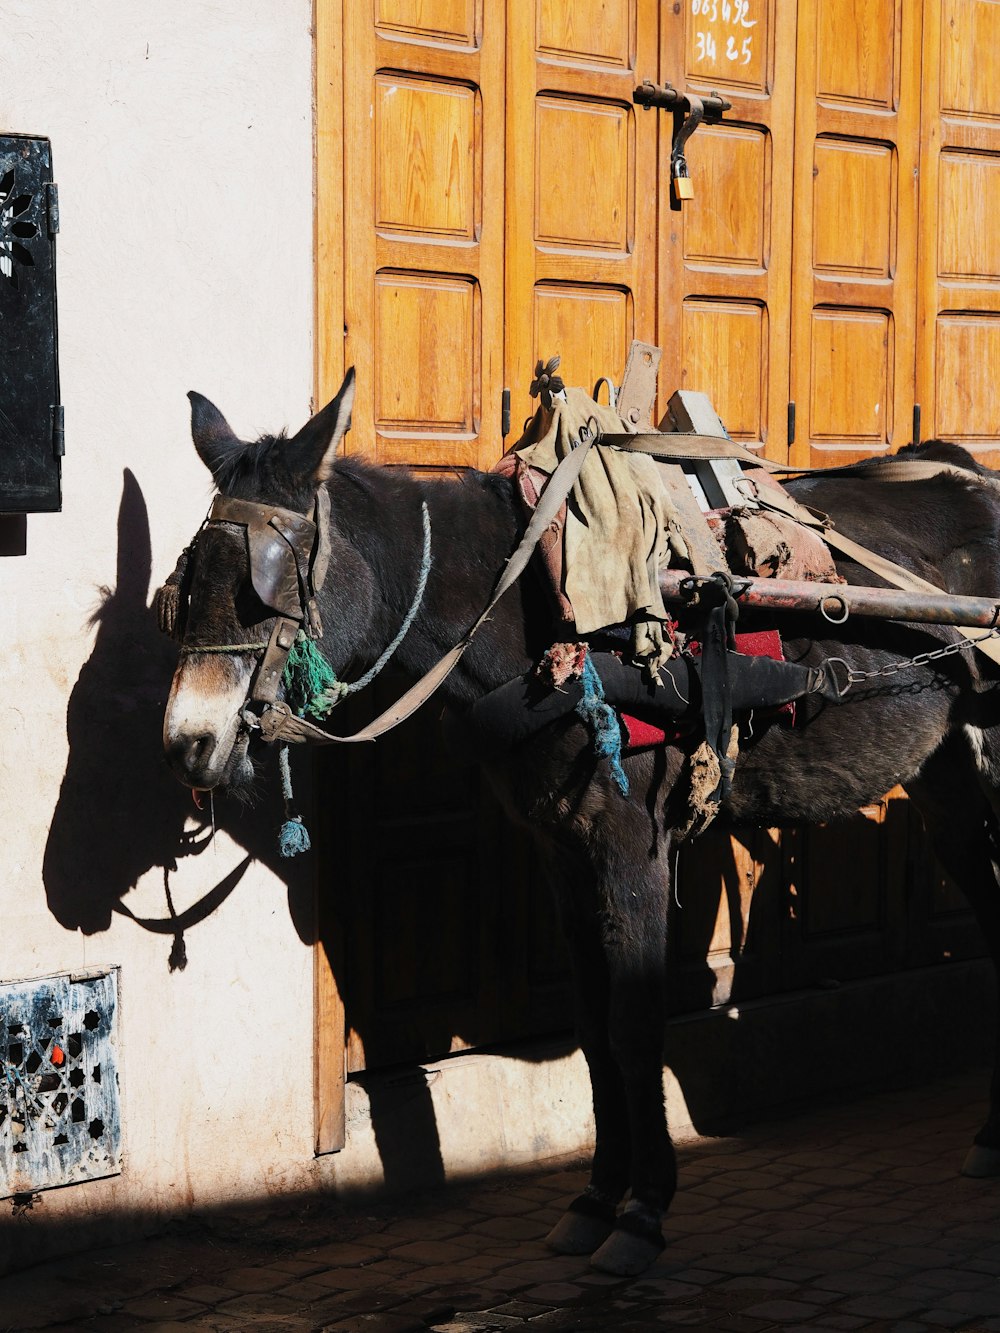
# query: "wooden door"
957,315
725,256
433,964
958,294
423,87
724,265
820,307
581,188
410,164
856,159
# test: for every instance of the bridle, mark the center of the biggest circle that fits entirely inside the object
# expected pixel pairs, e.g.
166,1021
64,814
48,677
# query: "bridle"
289,556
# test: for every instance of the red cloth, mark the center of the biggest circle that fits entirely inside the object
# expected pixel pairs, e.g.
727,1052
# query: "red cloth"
640,735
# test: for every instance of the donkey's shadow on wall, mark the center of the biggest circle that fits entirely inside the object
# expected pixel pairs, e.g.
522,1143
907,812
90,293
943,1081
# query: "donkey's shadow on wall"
120,812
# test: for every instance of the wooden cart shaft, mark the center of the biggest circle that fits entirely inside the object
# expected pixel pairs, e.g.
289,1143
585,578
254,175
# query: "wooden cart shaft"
837,601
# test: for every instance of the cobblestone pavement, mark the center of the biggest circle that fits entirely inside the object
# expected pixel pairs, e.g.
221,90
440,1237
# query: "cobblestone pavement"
845,1218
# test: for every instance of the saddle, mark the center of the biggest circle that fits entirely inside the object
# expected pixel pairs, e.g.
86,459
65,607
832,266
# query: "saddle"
682,494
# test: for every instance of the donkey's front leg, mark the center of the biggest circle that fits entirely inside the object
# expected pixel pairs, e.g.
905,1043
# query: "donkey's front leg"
589,1220
635,941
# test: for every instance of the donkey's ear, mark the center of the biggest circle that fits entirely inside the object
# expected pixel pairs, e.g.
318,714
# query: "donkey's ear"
212,434
314,448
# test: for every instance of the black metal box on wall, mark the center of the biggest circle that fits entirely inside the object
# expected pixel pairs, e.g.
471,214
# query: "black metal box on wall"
31,426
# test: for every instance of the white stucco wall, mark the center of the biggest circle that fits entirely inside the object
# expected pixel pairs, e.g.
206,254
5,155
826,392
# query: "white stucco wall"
183,149
182,139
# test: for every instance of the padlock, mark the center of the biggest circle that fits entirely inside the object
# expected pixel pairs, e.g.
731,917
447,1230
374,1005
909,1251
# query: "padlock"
683,184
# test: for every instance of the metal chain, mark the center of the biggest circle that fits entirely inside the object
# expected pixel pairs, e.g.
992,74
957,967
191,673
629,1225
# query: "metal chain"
921,659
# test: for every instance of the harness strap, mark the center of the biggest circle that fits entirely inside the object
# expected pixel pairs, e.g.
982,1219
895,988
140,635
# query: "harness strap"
278,722
272,668
683,446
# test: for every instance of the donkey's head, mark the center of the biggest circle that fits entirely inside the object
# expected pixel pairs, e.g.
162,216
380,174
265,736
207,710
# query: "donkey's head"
249,576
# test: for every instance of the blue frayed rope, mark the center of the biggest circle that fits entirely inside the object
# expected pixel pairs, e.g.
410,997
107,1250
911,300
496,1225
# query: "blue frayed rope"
601,718
294,836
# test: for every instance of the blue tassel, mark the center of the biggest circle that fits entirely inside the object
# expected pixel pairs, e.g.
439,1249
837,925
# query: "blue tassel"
293,838
602,720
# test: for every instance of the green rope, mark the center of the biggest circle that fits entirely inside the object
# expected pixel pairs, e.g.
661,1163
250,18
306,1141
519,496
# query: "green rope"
311,684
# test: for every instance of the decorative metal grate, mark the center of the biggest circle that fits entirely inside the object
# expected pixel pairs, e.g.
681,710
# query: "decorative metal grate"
59,1112
31,416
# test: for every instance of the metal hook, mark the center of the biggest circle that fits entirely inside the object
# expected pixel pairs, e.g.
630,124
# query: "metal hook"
841,689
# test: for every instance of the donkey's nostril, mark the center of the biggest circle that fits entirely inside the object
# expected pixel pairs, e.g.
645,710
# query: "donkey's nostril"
188,755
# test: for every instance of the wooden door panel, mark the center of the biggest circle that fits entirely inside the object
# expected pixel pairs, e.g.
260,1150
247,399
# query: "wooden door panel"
727,43
968,207
421,874
969,41
724,936
591,207
847,895
428,152
857,51
967,406
850,393
854,183
600,31
959,280
438,320
446,20
590,326
733,337
730,225
581,189
725,255
423,291
854,262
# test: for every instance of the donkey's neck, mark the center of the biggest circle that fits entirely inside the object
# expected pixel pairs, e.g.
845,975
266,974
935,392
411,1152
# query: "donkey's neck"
377,511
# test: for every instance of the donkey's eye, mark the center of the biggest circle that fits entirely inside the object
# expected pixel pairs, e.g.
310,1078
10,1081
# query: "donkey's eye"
247,605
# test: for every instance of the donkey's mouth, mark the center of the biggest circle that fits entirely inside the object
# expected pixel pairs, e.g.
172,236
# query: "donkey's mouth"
208,762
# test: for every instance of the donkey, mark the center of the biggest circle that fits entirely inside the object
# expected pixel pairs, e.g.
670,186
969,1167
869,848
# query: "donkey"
608,856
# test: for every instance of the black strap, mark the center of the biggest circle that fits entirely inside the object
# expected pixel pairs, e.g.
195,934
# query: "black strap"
716,682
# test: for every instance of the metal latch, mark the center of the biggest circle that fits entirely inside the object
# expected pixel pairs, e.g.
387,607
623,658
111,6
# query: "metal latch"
689,111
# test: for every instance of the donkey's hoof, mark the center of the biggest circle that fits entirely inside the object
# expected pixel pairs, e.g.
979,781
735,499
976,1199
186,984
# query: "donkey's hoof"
981,1162
629,1250
583,1227
576,1234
